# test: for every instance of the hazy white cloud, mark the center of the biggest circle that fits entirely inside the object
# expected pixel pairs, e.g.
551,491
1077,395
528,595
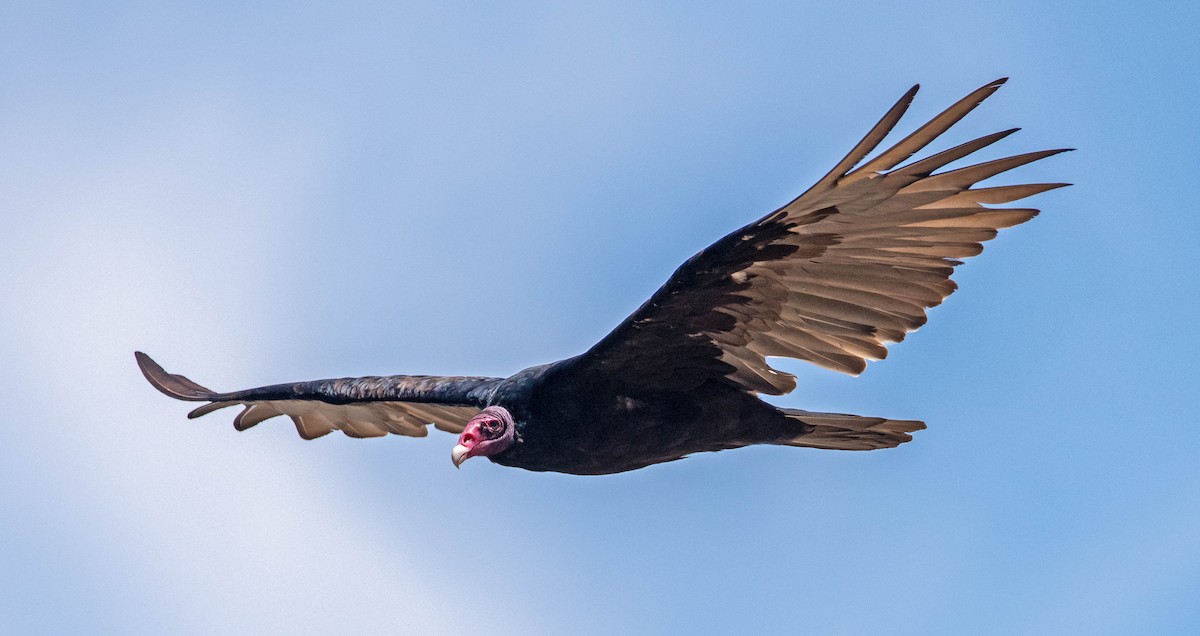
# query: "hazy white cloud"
182,527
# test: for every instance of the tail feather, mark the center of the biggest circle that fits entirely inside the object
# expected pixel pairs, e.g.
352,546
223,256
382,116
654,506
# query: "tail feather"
839,431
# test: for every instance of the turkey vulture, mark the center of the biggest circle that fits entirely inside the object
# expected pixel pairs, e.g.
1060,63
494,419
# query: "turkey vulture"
850,265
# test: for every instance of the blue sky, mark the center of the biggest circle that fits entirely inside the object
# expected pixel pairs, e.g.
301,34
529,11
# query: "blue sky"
256,195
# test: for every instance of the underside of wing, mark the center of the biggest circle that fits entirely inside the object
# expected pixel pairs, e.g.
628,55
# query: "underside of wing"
832,277
315,419
359,407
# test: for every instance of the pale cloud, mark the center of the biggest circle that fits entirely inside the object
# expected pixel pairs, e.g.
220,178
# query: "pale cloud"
197,529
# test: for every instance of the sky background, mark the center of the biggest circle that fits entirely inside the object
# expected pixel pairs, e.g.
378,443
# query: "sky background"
255,196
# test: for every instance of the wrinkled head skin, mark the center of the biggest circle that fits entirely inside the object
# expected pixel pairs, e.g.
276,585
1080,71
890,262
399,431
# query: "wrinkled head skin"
490,432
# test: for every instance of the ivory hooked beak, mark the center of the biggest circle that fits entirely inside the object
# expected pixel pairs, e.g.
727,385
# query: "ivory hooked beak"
459,455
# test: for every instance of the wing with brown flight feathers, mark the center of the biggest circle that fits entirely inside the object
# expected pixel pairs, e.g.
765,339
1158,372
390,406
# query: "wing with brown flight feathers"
359,407
833,276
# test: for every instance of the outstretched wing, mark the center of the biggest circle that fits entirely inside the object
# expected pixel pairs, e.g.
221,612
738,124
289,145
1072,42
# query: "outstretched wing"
359,407
830,278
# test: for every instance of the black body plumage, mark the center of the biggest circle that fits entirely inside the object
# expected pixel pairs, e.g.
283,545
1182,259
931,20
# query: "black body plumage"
570,425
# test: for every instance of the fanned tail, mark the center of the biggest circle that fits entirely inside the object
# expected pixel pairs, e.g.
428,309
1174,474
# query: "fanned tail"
839,431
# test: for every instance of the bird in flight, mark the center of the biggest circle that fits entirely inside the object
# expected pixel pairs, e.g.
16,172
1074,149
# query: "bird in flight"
848,266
